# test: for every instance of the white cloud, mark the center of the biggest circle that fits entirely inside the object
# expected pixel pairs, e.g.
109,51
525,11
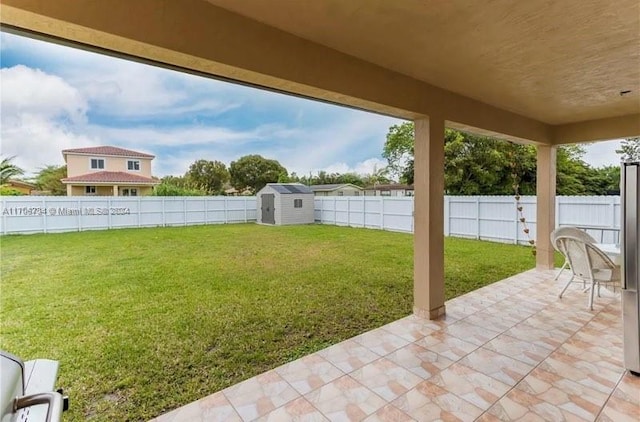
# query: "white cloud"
86,99
368,166
39,114
602,154
27,91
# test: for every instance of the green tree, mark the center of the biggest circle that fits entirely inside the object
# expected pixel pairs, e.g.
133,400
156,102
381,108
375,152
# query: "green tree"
351,178
169,189
9,170
254,172
378,176
209,176
398,150
7,191
630,149
48,179
480,165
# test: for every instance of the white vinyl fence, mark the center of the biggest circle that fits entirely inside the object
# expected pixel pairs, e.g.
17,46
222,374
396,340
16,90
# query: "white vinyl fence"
493,218
48,214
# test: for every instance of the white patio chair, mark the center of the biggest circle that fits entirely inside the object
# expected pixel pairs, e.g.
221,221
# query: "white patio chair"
568,231
588,263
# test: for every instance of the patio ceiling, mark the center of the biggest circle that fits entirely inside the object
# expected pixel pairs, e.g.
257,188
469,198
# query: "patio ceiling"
548,72
556,62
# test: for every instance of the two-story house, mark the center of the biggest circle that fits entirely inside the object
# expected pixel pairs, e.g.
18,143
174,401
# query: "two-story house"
108,171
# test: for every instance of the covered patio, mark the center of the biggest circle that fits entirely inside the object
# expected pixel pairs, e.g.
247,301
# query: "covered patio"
530,72
508,351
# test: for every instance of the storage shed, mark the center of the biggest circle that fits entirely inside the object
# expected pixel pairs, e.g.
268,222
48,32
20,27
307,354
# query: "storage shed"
285,203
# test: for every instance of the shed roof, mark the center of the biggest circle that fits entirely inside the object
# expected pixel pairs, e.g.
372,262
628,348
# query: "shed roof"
287,188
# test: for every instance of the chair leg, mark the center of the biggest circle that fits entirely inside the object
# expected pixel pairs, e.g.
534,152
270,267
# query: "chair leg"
564,267
565,286
593,287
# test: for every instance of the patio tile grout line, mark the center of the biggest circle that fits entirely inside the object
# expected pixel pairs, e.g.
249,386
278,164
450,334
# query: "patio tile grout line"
415,342
613,389
540,363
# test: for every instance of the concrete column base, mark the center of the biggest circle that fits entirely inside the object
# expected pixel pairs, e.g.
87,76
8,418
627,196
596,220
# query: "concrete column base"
432,314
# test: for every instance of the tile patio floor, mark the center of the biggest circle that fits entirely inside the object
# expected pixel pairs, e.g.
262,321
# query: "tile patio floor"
508,351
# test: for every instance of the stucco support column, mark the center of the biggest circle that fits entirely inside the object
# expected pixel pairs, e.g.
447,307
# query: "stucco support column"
545,206
69,190
428,237
115,190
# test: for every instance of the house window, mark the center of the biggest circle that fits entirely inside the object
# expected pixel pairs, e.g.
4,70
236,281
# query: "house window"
340,193
133,165
385,193
97,163
297,203
408,193
356,193
90,190
129,192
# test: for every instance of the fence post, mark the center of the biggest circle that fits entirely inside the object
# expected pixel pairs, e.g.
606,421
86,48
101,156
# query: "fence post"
139,212
447,218
245,209
226,211
517,226
44,215
79,215
109,225
557,211
184,210
478,217
382,214
364,212
206,209
335,211
164,219
612,205
348,211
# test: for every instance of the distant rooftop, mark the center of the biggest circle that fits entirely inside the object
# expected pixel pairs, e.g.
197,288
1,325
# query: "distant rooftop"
107,150
391,186
330,187
287,188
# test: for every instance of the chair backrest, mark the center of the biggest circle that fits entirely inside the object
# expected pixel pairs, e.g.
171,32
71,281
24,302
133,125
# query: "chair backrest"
569,231
583,257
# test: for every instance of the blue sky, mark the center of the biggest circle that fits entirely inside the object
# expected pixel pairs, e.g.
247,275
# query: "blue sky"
55,97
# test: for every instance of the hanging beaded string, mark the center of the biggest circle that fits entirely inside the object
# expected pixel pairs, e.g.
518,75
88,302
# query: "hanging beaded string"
515,178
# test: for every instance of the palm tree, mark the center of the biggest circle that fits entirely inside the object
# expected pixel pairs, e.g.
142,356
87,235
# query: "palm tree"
9,170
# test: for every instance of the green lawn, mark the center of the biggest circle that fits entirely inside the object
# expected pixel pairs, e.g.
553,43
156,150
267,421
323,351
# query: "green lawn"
146,320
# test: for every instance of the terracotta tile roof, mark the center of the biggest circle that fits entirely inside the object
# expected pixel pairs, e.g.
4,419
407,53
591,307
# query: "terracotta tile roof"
110,177
107,150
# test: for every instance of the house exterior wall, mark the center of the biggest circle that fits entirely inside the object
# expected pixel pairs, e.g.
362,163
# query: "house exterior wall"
80,190
107,190
20,188
81,164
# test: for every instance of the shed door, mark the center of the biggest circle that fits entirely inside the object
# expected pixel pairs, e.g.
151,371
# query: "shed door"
268,215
